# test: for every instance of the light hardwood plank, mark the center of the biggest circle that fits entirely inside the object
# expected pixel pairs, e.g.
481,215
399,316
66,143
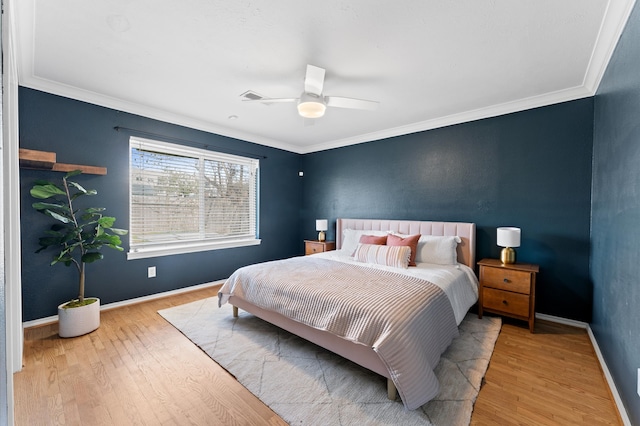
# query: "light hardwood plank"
551,377
135,369
138,369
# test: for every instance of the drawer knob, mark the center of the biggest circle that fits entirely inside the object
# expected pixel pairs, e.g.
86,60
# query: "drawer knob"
504,302
506,280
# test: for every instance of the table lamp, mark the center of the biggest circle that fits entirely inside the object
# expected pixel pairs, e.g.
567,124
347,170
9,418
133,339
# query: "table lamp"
322,225
508,237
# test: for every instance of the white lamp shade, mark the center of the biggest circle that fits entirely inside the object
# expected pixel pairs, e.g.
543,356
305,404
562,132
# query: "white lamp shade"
322,225
509,237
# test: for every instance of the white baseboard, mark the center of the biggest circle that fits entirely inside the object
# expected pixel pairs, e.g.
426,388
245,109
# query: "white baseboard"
54,318
560,320
607,374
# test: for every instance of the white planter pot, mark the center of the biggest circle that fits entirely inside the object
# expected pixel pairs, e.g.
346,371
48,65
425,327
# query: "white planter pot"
74,322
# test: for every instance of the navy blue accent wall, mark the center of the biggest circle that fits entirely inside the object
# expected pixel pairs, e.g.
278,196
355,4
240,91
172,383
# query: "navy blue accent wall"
615,228
82,133
530,169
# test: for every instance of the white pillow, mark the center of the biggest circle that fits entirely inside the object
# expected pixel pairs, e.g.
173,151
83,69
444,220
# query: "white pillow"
351,238
437,249
395,256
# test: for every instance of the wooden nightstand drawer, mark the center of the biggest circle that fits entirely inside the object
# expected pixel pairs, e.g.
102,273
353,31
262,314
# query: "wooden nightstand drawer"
312,247
508,289
505,301
507,279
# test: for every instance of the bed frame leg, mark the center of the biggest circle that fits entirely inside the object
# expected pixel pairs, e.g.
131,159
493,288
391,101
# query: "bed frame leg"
392,392
235,312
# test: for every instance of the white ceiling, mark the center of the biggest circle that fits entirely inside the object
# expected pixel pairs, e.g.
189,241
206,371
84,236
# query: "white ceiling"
429,63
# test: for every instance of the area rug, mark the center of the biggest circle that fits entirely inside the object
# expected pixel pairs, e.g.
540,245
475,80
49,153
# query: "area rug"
308,385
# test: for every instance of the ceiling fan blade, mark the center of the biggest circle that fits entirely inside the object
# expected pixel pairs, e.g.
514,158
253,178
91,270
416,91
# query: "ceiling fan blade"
271,100
340,102
314,80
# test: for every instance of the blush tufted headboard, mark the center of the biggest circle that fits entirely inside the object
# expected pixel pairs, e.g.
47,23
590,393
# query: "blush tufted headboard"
466,232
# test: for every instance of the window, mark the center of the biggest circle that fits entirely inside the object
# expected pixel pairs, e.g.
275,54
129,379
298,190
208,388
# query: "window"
185,199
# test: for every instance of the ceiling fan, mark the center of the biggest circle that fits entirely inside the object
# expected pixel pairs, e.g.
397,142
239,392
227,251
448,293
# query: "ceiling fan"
312,103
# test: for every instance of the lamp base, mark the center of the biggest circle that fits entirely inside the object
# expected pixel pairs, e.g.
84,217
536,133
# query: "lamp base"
321,236
508,255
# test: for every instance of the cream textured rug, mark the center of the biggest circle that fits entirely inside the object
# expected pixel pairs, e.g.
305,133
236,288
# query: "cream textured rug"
307,385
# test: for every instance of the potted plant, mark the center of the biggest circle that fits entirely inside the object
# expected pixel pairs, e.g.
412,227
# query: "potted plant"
77,235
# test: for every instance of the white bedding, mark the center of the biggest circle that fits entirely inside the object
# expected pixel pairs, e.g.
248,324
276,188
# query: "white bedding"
409,352
405,319
457,281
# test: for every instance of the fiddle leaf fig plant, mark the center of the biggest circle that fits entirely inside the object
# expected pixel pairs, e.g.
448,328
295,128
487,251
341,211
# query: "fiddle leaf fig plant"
78,234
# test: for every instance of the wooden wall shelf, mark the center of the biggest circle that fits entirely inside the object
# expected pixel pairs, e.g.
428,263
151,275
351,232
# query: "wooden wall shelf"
43,160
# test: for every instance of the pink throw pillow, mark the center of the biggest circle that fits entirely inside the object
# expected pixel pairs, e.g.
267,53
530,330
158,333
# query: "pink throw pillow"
373,239
411,241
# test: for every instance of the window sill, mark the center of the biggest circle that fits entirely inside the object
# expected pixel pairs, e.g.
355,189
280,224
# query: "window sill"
183,248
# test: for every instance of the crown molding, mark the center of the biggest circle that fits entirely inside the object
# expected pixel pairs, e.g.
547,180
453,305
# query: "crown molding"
464,117
158,114
148,111
613,24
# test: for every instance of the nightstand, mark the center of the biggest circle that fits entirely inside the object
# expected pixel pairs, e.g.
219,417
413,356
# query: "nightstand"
315,246
508,289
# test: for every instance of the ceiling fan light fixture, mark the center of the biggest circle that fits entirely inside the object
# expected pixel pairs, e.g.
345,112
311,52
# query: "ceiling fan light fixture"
311,106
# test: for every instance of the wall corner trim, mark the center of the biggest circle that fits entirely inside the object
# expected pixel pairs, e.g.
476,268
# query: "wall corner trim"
603,365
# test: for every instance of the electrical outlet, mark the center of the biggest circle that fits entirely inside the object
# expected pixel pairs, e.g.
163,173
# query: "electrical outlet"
151,272
638,381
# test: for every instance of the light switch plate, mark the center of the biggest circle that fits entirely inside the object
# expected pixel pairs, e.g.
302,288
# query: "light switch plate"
151,272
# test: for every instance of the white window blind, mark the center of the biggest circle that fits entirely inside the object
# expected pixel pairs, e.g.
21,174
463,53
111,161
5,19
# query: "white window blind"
186,199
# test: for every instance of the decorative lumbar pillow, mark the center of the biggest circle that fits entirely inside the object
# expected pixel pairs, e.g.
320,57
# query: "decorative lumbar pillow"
395,256
437,249
351,238
411,241
374,239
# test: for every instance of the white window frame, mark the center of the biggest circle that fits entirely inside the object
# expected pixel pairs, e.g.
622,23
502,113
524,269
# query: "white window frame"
141,251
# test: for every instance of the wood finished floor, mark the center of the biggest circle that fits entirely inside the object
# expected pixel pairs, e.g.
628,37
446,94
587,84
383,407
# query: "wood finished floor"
551,377
138,369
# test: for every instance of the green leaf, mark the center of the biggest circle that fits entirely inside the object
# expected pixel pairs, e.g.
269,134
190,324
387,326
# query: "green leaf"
57,216
109,239
106,221
89,224
92,257
66,253
46,191
119,231
49,241
77,186
68,237
64,258
91,214
44,206
72,174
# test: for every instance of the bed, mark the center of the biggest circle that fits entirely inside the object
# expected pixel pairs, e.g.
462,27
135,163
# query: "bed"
449,290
